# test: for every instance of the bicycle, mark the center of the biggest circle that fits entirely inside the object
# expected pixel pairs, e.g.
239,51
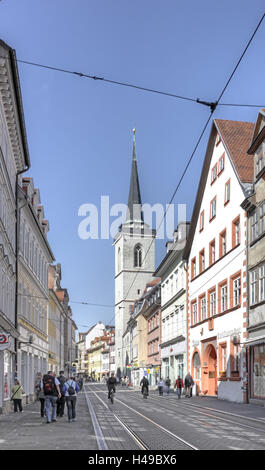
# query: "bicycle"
111,396
145,392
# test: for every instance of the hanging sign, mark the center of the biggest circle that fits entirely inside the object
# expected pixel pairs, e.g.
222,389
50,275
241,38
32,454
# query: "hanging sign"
4,340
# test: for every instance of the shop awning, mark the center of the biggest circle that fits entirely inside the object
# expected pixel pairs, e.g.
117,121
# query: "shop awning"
255,341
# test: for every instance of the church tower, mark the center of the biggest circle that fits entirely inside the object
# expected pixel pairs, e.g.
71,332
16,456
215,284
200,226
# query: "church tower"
134,262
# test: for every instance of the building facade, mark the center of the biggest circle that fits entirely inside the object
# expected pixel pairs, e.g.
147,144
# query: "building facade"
56,321
35,255
152,338
14,160
172,272
255,207
216,254
134,253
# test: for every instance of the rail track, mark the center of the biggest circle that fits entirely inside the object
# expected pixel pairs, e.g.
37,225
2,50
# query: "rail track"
182,444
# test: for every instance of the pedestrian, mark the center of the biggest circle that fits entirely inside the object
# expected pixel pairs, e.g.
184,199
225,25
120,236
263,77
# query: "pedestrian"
61,401
179,386
40,393
51,388
161,386
81,382
70,390
168,383
17,392
188,385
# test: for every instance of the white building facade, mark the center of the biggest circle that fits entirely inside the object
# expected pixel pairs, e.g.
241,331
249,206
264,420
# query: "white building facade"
173,274
33,294
14,160
216,253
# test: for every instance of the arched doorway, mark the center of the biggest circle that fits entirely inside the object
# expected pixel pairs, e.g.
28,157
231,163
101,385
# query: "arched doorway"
209,376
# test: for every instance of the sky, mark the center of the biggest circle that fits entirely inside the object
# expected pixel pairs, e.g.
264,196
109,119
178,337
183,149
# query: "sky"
80,131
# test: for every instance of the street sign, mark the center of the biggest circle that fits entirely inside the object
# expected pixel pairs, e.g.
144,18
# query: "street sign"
4,340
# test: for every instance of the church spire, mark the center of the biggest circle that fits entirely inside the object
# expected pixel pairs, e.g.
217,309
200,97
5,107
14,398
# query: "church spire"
134,211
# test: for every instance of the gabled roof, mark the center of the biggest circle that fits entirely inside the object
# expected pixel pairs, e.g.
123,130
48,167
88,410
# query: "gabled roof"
258,134
236,137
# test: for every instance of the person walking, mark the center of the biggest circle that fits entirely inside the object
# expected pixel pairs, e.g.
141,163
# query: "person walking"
70,390
179,386
188,385
168,383
161,386
40,393
51,388
61,401
17,392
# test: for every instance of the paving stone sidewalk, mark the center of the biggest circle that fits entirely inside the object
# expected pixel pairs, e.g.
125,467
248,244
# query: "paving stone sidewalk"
28,431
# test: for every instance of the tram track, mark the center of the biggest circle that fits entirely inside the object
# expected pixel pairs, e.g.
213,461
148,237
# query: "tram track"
184,445
207,412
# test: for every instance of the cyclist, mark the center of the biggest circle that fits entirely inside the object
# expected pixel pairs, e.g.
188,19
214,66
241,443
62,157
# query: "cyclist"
111,382
145,384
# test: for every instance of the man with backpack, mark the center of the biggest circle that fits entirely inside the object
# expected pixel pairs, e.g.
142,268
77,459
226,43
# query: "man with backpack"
179,386
70,390
61,401
51,388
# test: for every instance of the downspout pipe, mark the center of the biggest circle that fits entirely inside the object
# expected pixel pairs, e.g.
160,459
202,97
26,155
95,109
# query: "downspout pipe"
17,256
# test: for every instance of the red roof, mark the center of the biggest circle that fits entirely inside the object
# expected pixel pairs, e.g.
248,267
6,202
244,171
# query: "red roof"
237,136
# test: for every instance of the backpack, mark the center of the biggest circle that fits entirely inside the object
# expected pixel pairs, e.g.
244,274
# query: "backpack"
71,389
62,381
49,385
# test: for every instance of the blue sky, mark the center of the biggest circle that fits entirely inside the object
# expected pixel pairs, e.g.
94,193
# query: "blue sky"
80,131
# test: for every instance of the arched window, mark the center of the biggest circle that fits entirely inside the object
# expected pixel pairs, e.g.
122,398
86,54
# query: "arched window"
138,256
119,260
196,366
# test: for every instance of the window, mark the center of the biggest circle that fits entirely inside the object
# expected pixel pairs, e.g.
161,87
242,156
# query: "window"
221,163
196,366
194,313
254,226
193,268
212,252
236,232
223,358
203,308
212,304
262,283
222,245
253,287
177,280
262,218
213,209
214,173
224,298
236,291
202,261
138,256
227,192
202,221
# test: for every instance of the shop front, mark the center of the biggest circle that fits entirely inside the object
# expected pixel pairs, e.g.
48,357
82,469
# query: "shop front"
174,361
7,369
257,370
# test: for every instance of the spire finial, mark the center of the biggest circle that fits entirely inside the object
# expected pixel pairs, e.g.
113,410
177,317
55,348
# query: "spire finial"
134,149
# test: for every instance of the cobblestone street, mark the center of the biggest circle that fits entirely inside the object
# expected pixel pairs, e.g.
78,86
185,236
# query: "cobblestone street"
131,423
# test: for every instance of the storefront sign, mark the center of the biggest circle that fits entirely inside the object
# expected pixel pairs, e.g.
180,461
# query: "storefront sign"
4,341
225,334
